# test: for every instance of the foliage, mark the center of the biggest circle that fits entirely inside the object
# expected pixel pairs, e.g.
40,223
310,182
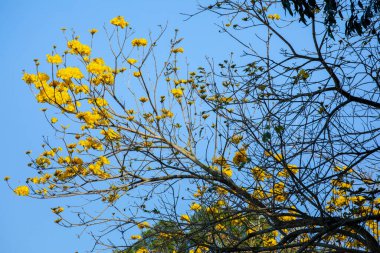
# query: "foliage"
360,17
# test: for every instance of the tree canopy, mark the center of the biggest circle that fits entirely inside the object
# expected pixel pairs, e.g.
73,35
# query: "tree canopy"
275,149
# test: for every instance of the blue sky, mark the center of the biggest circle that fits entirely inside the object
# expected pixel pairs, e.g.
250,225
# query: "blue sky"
28,31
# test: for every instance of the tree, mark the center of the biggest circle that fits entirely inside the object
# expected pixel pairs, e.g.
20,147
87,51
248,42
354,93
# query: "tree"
360,17
275,150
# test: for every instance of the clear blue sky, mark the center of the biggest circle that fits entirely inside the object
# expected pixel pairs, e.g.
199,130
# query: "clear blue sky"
28,30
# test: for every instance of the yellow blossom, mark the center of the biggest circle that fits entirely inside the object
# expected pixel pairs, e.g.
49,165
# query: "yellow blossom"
274,16
227,171
221,191
70,72
136,237
93,31
98,101
43,161
22,190
29,78
235,139
205,116
260,174
76,47
53,120
144,224
341,201
142,250
103,160
57,210
137,74
178,50
167,113
195,206
143,99
54,59
220,227
119,21
131,61
97,66
185,217
110,134
240,157
139,42
177,92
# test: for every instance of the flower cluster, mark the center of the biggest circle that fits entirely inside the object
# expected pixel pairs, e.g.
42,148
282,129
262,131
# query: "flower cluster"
177,92
178,50
54,59
69,72
119,21
22,190
274,16
76,47
139,42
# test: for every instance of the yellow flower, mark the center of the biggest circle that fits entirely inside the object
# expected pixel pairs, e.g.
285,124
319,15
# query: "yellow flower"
178,50
227,171
177,92
53,120
131,61
97,66
143,99
103,160
93,31
185,217
195,206
274,16
220,227
221,191
136,237
110,134
269,242
43,161
142,225
141,42
167,113
119,21
220,160
29,78
240,157
7,178
70,72
137,74
277,157
341,201
236,139
57,210
98,101
142,250
260,174
76,47
54,59
205,116
250,231
22,190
